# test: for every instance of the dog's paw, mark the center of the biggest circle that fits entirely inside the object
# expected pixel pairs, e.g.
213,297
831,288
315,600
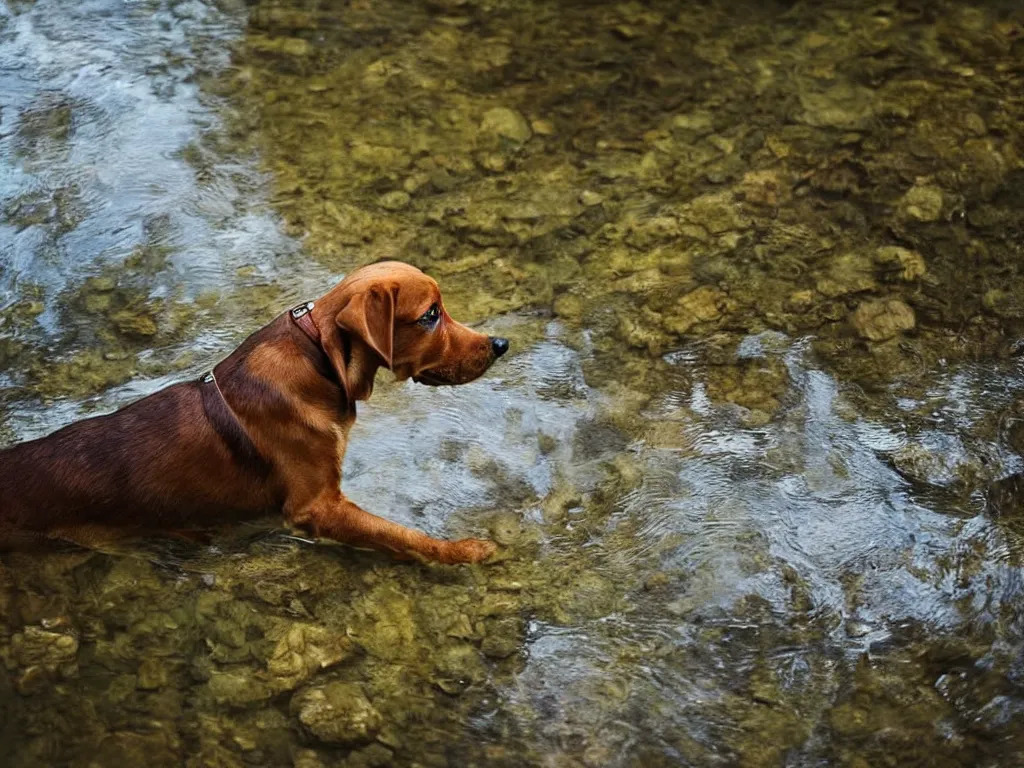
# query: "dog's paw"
470,550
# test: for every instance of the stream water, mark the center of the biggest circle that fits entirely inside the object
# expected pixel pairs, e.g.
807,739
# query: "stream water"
753,460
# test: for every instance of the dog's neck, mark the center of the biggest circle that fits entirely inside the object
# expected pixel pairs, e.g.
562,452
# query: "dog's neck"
354,361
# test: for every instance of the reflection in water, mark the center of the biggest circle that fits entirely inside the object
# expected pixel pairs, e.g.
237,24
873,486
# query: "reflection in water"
753,462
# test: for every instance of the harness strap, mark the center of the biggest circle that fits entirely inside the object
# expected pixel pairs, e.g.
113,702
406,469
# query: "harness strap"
226,424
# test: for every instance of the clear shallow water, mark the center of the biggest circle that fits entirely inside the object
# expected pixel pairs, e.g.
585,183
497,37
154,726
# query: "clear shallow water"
750,513
103,175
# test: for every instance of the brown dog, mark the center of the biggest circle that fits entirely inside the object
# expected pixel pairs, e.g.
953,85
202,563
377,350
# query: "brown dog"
264,432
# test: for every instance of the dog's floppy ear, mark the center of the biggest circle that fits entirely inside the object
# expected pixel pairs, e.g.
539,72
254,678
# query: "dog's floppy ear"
360,339
370,315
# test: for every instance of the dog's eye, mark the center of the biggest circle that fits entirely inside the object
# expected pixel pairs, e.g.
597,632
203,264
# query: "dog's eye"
430,316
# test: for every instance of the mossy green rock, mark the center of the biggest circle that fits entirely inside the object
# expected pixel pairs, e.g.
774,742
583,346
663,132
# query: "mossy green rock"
336,713
507,123
883,319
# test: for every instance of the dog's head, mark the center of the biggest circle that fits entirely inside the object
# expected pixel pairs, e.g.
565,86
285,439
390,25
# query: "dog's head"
391,314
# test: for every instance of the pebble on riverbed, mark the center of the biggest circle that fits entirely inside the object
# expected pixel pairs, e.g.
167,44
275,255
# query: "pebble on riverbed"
336,713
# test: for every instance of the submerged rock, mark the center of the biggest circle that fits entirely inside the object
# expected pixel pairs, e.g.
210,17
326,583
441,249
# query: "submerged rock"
35,645
768,187
152,675
503,638
336,713
458,667
238,687
125,748
923,202
700,306
902,262
134,323
716,212
506,528
378,157
842,106
1003,303
848,273
507,123
697,123
395,200
883,319
304,650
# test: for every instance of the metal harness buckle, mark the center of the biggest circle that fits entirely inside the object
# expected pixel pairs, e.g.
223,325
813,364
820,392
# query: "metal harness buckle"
302,309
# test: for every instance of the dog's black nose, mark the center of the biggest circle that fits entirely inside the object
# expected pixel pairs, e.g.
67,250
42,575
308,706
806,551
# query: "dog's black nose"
499,346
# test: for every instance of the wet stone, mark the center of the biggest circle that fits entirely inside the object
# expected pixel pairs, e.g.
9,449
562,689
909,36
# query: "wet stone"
287,46
389,630
100,284
461,627
304,650
922,202
394,201
380,158
702,305
699,123
458,667
493,162
800,301
559,501
152,675
502,640
97,303
768,188
902,263
842,106
883,319
1003,303
152,749
499,604
857,629
716,212
370,756
31,680
590,596
238,688
847,274
543,127
1000,716
307,758
975,124
506,123
336,713
35,645
506,528
134,324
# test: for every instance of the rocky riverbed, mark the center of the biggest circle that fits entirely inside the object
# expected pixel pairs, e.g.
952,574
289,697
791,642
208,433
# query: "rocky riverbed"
753,462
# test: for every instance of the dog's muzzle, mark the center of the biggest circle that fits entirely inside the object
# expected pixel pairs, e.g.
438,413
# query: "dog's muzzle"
436,378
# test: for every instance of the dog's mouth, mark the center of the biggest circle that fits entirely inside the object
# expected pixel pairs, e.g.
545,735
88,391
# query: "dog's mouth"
430,379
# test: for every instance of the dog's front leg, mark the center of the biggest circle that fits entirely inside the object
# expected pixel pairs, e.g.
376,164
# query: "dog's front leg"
333,516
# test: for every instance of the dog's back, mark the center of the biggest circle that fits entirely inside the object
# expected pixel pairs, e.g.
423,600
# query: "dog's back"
154,462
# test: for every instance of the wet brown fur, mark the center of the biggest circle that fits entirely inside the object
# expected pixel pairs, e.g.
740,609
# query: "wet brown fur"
183,457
